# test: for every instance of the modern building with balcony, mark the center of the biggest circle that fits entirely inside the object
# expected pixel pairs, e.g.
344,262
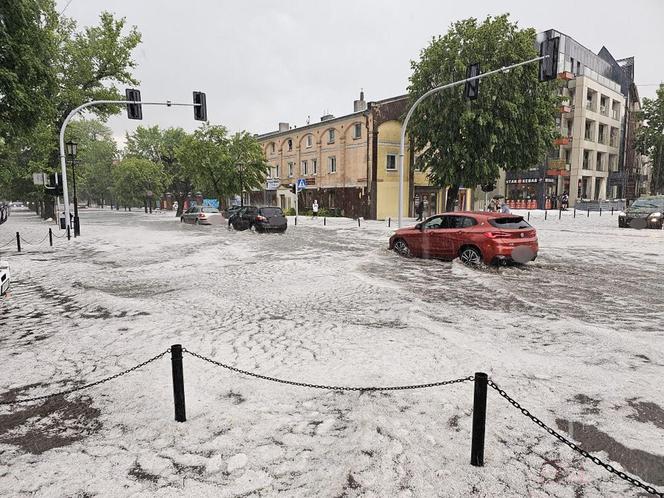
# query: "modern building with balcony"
589,160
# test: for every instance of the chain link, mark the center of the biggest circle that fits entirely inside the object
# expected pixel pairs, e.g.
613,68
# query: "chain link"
10,242
572,445
322,386
86,386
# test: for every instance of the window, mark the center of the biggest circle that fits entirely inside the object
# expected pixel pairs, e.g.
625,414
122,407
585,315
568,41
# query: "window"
331,164
274,147
357,130
435,222
391,164
290,169
276,170
309,141
303,168
514,223
290,144
314,166
586,159
330,136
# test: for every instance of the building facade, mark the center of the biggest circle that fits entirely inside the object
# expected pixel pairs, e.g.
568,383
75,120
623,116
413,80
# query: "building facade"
590,159
349,163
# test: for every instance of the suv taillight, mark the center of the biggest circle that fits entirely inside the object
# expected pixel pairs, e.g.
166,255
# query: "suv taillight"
496,235
202,215
261,218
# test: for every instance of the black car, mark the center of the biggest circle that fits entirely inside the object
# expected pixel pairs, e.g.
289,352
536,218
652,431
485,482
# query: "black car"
261,219
645,212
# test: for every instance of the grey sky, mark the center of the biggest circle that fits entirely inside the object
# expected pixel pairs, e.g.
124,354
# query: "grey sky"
261,62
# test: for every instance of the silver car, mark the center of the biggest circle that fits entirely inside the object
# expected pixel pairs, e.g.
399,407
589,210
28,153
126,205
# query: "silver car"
202,215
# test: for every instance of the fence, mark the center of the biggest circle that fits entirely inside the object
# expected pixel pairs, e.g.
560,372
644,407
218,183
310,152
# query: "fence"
481,384
19,238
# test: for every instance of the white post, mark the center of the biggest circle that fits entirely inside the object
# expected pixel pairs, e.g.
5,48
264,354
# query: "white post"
63,161
432,91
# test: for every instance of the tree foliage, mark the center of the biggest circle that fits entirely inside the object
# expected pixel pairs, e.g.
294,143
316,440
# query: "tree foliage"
161,146
650,138
512,123
223,164
133,177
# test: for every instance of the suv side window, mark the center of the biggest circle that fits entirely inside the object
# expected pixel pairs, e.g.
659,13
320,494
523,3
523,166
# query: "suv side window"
465,221
433,223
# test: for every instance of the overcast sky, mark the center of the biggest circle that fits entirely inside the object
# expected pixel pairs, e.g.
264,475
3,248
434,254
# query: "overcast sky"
261,62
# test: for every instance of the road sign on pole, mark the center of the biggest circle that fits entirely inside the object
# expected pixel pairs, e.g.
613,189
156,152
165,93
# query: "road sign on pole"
301,184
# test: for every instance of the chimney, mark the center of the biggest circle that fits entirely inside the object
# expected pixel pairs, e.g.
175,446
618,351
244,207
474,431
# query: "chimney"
360,105
283,127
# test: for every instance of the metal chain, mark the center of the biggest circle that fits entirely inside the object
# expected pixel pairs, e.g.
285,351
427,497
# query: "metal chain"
32,244
86,386
10,242
572,445
322,386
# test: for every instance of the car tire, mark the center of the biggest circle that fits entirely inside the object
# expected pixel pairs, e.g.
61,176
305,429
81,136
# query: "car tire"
181,219
401,248
470,256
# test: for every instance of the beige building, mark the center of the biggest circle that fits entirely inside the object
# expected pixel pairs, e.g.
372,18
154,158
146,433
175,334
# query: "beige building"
349,164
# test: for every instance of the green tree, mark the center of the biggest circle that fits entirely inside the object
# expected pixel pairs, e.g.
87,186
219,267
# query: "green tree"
96,152
133,177
512,123
650,138
161,146
221,164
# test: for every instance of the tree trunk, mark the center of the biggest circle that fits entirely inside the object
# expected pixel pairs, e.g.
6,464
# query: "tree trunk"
452,194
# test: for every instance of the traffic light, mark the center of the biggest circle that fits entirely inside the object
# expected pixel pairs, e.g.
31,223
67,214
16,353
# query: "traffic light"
293,187
200,107
54,186
472,88
134,111
548,68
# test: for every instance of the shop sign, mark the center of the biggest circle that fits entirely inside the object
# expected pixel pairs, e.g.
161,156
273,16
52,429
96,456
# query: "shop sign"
522,180
272,184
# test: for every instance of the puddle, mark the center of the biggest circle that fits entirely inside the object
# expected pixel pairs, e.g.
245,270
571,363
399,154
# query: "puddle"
641,464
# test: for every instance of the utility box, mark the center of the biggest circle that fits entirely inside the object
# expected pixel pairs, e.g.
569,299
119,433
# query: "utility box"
63,225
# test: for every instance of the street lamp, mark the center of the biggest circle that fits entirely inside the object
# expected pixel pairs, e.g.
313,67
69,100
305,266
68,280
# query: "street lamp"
241,166
71,148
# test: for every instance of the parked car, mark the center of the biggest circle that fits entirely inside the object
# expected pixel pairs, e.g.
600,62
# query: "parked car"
261,219
475,237
229,212
4,277
645,212
202,215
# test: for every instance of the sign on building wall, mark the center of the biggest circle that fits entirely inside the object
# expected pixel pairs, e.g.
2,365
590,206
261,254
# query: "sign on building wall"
211,203
272,184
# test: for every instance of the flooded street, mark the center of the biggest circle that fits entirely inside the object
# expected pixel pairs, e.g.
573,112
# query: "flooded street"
576,337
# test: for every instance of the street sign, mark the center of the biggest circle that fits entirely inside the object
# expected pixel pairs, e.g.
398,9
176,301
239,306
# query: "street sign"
272,184
301,184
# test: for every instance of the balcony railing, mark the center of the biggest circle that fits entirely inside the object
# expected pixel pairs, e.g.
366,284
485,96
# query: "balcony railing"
563,141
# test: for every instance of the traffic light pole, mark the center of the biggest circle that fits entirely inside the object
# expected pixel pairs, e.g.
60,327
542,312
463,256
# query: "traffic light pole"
431,92
63,161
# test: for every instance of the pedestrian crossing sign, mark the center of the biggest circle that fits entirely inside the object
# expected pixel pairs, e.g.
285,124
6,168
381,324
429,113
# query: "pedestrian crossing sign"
301,184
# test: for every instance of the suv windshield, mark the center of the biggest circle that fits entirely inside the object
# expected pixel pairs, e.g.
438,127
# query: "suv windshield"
514,223
271,211
648,203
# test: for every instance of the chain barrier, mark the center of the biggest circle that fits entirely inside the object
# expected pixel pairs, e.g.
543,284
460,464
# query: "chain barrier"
572,445
34,244
9,243
322,386
86,386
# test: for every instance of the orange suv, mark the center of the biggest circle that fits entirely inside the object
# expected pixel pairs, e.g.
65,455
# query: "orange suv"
475,237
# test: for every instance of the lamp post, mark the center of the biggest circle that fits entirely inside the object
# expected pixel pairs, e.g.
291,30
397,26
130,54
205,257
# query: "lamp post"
71,152
241,166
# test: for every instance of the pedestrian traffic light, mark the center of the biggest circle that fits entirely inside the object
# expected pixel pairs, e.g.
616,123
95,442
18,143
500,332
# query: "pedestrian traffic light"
548,68
200,107
472,88
134,111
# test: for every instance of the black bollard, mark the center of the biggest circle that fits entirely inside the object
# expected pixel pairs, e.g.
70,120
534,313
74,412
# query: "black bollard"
479,420
324,221
389,222
588,213
528,215
50,237
560,213
358,222
68,233
545,214
18,242
611,210
575,212
296,221
600,211
178,383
